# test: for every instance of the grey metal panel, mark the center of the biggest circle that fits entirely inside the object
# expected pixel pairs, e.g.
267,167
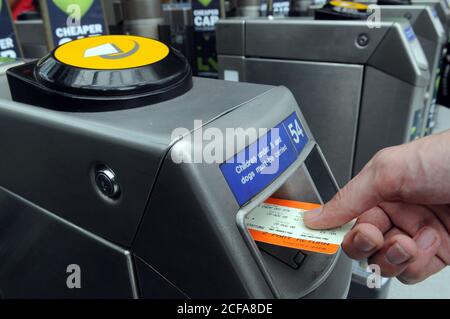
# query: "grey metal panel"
387,114
36,247
442,9
152,285
34,51
420,18
65,147
231,33
194,222
311,40
57,160
232,63
154,124
333,117
433,52
31,35
141,9
302,39
396,56
32,32
429,22
333,286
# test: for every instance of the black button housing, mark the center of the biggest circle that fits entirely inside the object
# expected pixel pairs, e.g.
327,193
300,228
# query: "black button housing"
52,84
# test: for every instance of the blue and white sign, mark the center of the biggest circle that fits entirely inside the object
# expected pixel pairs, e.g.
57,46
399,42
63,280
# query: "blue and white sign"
410,35
255,167
434,12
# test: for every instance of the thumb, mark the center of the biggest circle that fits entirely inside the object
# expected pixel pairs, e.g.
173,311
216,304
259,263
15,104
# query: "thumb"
358,196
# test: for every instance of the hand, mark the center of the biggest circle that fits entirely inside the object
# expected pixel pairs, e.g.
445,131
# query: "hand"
401,200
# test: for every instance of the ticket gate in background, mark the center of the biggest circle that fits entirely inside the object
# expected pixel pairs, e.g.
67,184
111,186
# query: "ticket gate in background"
89,178
433,39
441,7
360,89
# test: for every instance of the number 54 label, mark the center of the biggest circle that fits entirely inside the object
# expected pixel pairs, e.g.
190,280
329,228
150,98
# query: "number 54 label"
296,132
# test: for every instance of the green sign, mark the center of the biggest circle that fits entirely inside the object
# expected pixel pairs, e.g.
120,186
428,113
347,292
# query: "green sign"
84,5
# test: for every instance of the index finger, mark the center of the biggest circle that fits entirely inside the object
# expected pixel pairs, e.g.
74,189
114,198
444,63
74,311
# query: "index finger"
358,196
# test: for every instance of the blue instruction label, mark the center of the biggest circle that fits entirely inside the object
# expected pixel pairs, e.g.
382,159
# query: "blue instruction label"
410,35
255,167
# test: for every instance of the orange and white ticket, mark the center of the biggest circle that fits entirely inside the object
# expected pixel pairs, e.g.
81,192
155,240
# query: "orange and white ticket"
280,222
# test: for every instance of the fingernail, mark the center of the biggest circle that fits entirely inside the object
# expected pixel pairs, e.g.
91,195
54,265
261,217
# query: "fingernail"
396,255
426,238
312,215
363,243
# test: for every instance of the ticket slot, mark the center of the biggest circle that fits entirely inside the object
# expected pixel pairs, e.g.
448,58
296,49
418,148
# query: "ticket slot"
291,257
295,272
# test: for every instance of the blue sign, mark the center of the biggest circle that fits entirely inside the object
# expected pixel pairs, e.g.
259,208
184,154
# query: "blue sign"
68,20
9,48
255,167
410,35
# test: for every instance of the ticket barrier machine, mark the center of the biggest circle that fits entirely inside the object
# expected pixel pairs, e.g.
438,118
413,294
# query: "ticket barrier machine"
441,8
433,39
98,174
360,89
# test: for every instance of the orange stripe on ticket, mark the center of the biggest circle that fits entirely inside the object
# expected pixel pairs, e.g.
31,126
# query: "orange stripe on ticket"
292,203
317,247
302,244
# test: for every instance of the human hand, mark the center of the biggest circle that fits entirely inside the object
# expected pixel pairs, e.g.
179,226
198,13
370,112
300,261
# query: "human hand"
401,200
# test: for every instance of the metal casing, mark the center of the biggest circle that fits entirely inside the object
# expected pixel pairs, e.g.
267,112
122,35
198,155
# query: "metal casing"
176,231
442,8
384,88
432,37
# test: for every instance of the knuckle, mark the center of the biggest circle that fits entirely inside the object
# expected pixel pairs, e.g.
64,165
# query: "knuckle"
340,195
389,172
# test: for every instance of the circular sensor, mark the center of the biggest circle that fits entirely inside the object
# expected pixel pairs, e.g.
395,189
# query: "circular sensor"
111,52
106,182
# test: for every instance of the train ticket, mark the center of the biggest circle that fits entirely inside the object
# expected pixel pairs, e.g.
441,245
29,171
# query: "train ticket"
280,222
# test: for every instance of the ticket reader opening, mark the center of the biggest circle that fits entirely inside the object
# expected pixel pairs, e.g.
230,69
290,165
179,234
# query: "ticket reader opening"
293,272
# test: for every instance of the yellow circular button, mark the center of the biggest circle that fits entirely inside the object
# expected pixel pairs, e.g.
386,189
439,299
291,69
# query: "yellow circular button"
111,52
349,5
